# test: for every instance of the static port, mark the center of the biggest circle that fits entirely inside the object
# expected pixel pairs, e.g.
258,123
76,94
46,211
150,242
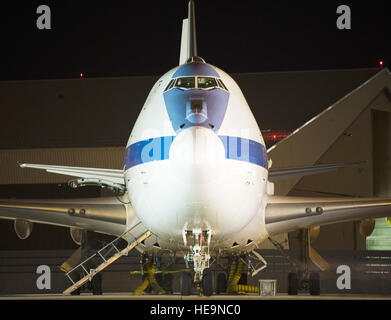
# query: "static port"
319,210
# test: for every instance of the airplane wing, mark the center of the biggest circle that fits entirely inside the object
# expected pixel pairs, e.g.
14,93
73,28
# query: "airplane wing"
112,175
109,215
286,173
104,215
286,214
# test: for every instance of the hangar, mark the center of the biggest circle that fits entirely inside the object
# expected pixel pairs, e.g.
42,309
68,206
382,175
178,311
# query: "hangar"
87,121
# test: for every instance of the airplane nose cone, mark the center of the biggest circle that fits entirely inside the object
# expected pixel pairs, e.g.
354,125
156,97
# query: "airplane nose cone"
197,155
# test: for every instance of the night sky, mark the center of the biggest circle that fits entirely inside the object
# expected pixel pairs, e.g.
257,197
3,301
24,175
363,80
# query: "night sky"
125,38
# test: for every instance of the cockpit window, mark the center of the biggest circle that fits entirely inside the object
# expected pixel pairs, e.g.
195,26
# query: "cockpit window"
190,83
206,82
186,83
222,84
170,85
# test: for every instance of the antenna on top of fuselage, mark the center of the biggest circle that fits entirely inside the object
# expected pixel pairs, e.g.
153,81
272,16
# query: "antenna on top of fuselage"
192,30
189,38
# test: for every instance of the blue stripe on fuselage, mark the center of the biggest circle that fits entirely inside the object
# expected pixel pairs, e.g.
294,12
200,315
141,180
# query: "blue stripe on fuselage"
156,149
242,149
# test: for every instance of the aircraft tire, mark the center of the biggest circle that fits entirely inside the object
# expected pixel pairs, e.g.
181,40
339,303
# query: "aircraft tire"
165,282
243,279
221,283
96,284
207,283
293,284
186,283
314,284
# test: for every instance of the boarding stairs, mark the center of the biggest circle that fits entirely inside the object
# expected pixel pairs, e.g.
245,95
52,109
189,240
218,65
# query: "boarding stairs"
106,257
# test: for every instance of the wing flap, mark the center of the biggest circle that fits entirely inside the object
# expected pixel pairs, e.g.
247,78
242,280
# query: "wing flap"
286,214
113,175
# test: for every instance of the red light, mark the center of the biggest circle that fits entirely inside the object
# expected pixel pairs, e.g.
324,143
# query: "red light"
381,63
274,136
81,75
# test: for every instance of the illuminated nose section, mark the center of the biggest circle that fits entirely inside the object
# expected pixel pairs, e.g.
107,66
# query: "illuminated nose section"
187,108
196,96
197,155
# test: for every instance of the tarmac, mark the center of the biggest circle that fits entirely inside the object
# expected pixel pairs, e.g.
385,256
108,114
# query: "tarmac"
128,296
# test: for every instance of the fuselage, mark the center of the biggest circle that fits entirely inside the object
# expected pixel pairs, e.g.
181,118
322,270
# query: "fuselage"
196,159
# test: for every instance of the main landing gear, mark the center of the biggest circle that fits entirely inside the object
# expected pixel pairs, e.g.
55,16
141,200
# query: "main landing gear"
303,279
304,282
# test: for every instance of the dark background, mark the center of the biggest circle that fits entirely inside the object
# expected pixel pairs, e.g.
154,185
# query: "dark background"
124,38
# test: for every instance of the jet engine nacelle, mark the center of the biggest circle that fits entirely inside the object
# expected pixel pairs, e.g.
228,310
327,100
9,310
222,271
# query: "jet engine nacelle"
366,227
76,235
23,228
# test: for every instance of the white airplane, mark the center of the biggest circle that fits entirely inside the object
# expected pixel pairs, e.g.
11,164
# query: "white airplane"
196,175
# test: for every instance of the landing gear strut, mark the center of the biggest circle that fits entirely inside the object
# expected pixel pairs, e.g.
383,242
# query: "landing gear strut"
302,279
307,281
198,255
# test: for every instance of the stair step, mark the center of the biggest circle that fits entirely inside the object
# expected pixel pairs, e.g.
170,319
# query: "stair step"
107,261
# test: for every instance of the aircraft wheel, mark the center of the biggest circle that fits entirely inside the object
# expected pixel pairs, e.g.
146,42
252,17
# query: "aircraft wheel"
293,284
207,282
314,284
165,282
96,284
221,283
243,279
186,283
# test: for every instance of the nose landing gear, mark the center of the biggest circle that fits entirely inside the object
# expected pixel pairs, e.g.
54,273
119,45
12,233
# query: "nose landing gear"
199,256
